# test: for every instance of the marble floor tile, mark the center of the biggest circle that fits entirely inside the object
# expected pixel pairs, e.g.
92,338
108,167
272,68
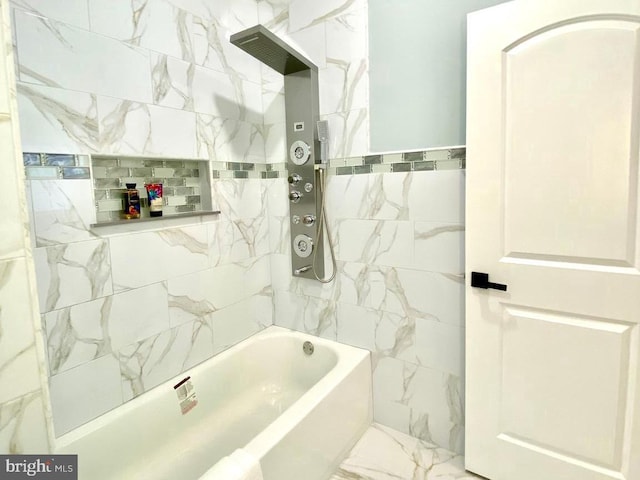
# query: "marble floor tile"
386,454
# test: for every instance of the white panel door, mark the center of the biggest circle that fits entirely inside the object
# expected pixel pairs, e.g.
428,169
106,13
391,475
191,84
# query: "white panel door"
553,124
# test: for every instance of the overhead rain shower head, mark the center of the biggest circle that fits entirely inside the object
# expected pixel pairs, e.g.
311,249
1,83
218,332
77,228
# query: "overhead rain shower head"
259,42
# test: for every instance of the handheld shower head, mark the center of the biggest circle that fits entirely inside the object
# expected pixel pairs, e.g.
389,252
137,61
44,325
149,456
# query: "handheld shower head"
323,137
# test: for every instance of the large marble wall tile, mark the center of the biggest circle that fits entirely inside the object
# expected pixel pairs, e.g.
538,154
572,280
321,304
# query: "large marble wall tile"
347,35
154,24
380,197
348,133
137,315
304,13
227,95
277,190
440,346
344,82
272,96
375,242
234,241
236,322
18,360
87,331
72,273
240,199
172,82
78,334
73,12
412,293
435,296
23,425
348,196
434,399
211,32
200,294
310,42
62,211
57,120
55,54
155,360
357,326
279,234
439,247
274,14
438,196
85,392
343,86
306,314
227,140
128,127
13,228
275,143
149,257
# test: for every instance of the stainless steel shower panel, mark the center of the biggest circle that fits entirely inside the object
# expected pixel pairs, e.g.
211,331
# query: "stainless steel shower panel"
302,113
303,146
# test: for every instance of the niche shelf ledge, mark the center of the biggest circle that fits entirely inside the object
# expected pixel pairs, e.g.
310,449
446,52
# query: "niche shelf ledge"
148,223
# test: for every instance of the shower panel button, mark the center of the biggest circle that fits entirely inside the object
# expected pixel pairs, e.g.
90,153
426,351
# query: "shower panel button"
303,245
299,152
295,196
294,179
295,219
308,187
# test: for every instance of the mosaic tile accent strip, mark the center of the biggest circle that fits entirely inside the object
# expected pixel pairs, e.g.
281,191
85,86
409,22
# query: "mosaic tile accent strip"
45,166
421,161
181,181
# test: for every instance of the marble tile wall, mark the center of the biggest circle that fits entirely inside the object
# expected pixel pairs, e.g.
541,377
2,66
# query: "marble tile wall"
123,310
24,411
398,292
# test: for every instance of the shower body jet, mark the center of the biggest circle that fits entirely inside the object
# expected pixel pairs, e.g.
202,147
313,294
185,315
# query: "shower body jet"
303,145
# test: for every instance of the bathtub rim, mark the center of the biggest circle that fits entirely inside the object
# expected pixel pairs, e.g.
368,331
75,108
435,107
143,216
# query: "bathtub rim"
77,434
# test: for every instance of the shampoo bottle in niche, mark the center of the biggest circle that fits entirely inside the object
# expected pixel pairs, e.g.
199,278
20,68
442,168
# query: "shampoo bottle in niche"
154,192
131,202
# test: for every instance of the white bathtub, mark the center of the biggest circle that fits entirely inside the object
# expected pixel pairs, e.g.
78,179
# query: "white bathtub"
298,414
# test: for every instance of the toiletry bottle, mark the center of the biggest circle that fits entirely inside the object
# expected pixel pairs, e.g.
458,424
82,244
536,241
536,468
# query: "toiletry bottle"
131,202
154,192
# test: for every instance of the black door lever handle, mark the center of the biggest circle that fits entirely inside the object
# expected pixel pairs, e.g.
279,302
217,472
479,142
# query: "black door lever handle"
481,280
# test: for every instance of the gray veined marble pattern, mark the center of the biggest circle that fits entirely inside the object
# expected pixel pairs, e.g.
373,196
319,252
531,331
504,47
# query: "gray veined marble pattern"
227,140
57,119
23,427
72,273
154,24
385,454
61,211
72,340
172,82
150,362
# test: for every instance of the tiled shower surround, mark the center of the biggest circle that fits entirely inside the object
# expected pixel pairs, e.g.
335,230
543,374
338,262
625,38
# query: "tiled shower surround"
124,310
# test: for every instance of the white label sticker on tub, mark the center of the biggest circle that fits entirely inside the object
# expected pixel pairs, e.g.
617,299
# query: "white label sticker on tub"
186,395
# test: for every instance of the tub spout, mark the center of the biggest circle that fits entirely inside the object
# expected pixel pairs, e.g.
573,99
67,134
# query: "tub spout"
300,270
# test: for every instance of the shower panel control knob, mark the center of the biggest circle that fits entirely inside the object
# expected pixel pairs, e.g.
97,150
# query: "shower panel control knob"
294,179
295,196
309,220
303,245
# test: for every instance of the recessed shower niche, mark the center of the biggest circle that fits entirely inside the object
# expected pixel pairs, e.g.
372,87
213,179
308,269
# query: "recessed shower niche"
186,186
